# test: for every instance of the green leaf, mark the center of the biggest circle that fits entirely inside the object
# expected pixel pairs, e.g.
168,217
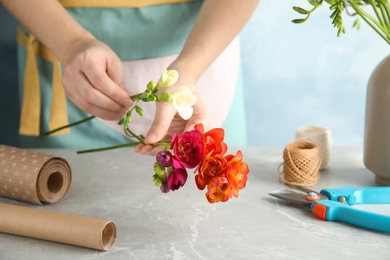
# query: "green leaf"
300,10
315,2
298,20
120,122
159,170
331,2
157,180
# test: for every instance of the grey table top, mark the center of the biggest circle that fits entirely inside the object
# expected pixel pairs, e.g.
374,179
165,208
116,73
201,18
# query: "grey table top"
117,185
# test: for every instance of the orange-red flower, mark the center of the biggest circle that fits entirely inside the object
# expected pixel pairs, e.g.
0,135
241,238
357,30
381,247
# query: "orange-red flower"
208,168
236,172
223,176
219,190
212,140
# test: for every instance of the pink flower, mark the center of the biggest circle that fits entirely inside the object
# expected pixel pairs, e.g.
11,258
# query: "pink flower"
187,148
177,178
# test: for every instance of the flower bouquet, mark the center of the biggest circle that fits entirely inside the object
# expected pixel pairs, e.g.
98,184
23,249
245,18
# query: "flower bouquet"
378,18
222,174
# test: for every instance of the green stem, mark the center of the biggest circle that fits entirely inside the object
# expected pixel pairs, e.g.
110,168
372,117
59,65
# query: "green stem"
371,22
385,16
109,148
131,134
67,126
380,18
164,143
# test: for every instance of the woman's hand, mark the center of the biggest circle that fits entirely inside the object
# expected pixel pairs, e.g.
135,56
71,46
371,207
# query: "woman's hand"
167,122
93,79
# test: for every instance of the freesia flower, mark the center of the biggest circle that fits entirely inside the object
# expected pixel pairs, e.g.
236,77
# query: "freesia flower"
213,140
218,190
208,168
164,158
236,172
187,148
177,178
183,99
168,78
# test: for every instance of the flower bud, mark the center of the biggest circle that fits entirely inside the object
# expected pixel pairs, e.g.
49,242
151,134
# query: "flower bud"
139,111
164,158
159,169
168,78
164,97
150,86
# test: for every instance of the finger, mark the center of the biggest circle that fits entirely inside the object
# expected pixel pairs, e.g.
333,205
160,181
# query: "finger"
144,149
148,149
89,96
162,120
116,74
88,99
96,74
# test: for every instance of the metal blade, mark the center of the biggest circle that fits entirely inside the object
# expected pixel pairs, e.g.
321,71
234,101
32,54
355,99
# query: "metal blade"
292,197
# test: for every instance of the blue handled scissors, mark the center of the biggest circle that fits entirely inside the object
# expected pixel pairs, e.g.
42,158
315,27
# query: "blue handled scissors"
334,205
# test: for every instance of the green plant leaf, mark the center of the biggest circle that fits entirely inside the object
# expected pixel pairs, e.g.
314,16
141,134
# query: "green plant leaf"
300,10
298,20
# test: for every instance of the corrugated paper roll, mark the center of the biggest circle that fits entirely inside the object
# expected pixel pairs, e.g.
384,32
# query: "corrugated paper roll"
33,176
58,227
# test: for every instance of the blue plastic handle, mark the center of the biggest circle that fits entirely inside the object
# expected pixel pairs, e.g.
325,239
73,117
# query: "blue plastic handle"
335,211
359,195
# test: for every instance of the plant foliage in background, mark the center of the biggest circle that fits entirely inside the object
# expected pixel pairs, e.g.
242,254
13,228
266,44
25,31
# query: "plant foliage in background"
376,13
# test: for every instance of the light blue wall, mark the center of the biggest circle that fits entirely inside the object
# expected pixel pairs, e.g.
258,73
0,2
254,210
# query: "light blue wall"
302,74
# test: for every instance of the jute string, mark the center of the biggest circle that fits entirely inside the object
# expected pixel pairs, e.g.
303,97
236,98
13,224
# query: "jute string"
301,163
321,136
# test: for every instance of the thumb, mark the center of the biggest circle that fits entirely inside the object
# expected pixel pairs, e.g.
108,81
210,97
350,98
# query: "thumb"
161,122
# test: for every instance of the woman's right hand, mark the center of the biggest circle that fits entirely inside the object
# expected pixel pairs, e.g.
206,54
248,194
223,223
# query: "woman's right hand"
93,76
93,79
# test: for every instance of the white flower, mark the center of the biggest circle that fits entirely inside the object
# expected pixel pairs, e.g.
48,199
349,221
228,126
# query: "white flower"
168,78
183,99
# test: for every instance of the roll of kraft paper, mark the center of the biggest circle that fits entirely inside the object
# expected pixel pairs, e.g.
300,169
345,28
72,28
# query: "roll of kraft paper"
57,227
33,176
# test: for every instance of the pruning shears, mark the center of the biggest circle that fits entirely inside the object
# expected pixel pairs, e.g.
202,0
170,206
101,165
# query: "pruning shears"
334,205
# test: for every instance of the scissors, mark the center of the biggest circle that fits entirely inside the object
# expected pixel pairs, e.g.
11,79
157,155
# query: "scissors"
334,205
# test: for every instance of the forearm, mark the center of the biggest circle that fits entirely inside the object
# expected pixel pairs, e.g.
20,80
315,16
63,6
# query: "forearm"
50,23
217,24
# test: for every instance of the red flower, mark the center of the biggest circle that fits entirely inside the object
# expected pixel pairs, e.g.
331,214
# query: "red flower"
177,178
187,148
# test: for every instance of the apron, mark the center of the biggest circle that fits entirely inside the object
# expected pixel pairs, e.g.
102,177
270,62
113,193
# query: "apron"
45,107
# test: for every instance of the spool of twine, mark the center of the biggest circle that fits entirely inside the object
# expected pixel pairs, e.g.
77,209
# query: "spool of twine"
301,163
321,137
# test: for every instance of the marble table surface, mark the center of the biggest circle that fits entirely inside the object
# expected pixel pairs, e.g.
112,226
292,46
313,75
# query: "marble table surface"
117,185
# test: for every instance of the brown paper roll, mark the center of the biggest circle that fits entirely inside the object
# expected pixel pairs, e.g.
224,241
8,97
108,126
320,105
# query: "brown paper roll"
33,176
57,227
